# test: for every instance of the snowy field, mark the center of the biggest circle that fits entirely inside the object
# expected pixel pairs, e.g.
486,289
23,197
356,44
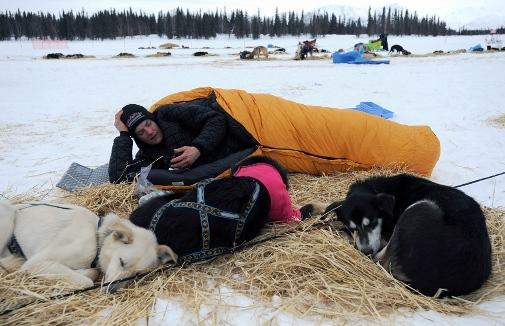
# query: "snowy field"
55,112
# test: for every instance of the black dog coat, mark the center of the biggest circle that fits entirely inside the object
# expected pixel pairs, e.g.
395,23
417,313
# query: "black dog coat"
214,217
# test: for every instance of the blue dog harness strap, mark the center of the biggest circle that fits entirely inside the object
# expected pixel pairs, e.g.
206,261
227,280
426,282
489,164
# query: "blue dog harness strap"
208,209
204,254
159,214
204,218
245,214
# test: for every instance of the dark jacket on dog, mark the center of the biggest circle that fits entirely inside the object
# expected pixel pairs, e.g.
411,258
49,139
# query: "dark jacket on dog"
437,234
199,123
209,220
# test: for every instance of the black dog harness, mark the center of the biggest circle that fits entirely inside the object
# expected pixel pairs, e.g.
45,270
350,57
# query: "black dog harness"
94,263
15,248
204,211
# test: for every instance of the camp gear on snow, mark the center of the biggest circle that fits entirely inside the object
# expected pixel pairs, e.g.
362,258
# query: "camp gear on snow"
354,57
78,176
477,47
373,45
372,108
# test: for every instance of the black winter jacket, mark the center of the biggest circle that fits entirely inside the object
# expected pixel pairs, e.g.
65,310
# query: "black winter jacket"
200,123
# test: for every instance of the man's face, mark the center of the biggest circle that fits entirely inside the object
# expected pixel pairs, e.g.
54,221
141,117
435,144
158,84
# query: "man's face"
149,132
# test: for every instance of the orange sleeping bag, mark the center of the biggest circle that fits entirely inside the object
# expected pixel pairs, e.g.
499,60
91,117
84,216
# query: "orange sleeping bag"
314,140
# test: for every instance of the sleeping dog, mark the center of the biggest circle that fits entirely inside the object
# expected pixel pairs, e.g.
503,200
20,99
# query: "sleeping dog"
66,240
436,235
219,214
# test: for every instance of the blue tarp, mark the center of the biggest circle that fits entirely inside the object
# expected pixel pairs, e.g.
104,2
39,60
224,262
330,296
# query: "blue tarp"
354,57
345,57
477,47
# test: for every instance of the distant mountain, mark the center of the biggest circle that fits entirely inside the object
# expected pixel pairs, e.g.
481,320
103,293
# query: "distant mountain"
475,18
342,11
352,12
469,17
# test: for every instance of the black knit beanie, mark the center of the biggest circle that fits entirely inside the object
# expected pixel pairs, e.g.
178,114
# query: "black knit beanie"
133,115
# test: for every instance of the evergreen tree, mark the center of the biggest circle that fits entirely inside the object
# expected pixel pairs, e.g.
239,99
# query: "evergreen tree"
406,23
359,28
169,32
388,22
383,21
333,25
256,26
277,24
370,22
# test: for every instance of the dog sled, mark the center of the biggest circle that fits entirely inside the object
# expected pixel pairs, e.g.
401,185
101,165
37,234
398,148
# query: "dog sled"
373,46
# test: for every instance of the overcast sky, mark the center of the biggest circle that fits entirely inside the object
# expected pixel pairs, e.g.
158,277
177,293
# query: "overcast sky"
267,7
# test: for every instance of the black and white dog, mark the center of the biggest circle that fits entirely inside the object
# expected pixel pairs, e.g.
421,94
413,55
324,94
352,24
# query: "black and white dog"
217,215
398,49
436,235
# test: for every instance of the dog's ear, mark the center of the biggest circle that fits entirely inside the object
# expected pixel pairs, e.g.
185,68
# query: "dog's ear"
121,232
166,254
386,203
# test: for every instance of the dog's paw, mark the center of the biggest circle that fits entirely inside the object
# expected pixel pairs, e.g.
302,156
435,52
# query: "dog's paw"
10,264
91,273
80,281
312,209
319,208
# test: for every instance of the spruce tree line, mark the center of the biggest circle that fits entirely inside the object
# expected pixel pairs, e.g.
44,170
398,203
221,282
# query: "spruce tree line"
179,23
399,22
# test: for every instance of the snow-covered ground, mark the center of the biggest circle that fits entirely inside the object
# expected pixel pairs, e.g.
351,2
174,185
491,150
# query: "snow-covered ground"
55,112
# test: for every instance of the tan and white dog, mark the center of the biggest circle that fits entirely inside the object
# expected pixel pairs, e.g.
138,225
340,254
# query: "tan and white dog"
47,239
257,51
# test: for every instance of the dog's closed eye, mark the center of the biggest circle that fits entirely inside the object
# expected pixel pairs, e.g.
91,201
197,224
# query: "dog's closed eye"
121,261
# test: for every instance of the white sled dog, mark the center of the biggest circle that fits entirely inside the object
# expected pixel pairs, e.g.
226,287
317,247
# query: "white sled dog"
48,239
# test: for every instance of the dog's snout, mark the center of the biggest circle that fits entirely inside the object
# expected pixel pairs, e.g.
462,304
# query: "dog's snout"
368,251
114,287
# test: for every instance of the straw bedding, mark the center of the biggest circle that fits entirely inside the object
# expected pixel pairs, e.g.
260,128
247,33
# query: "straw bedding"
313,272
498,121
